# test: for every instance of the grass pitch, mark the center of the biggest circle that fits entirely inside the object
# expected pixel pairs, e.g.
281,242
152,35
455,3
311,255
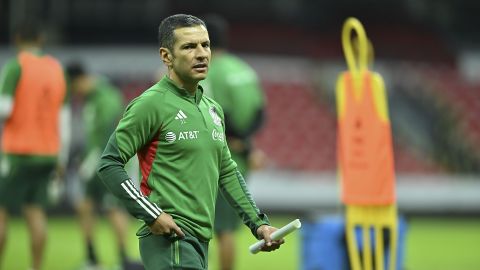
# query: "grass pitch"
440,244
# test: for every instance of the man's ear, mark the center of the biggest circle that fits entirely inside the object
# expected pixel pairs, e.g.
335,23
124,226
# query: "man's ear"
166,56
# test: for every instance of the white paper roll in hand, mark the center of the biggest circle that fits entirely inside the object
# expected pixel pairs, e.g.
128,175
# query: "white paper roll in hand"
277,235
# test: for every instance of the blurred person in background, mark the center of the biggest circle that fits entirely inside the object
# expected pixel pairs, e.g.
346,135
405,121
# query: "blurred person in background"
35,110
102,108
178,134
234,85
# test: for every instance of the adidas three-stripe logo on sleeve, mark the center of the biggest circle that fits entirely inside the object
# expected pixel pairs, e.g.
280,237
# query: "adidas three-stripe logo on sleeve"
151,208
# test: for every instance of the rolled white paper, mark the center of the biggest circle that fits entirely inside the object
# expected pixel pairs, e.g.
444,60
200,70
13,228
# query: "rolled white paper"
277,235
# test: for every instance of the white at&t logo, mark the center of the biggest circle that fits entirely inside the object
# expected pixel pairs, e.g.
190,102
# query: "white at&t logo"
217,136
188,135
170,137
182,135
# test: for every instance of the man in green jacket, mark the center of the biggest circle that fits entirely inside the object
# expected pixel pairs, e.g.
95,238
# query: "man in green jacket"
102,108
179,137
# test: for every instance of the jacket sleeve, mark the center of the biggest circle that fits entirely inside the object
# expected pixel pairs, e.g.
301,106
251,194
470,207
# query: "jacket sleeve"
136,129
9,77
234,189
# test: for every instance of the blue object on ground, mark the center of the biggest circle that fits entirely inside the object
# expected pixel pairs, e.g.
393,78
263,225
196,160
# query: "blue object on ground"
324,244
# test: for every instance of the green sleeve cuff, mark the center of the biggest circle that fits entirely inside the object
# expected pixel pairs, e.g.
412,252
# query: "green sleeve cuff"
112,173
262,220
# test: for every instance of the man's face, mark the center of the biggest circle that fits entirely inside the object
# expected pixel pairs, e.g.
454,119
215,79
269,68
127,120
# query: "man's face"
191,54
80,85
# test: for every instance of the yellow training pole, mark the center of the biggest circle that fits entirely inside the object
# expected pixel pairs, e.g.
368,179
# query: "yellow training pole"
352,245
393,243
379,247
366,216
355,66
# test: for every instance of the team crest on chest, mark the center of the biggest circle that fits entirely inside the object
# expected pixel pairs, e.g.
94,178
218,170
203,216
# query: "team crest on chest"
216,119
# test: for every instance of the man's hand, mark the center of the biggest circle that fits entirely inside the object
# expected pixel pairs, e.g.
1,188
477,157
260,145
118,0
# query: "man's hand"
236,144
257,159
265,232
59,173
164,225
56,186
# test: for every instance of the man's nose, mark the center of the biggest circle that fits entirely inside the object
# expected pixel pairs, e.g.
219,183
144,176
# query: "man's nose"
202,52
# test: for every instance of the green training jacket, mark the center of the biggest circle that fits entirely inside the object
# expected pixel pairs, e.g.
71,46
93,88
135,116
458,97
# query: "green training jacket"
180,142
103,108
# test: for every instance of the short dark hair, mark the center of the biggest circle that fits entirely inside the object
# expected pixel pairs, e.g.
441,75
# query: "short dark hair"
166,37
75,69
217,28
28,31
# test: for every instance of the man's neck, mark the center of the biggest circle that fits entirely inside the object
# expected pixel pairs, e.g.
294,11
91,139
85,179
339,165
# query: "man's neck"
190,87
90,85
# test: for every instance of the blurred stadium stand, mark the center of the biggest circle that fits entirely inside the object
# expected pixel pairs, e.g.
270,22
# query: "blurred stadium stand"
427,52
